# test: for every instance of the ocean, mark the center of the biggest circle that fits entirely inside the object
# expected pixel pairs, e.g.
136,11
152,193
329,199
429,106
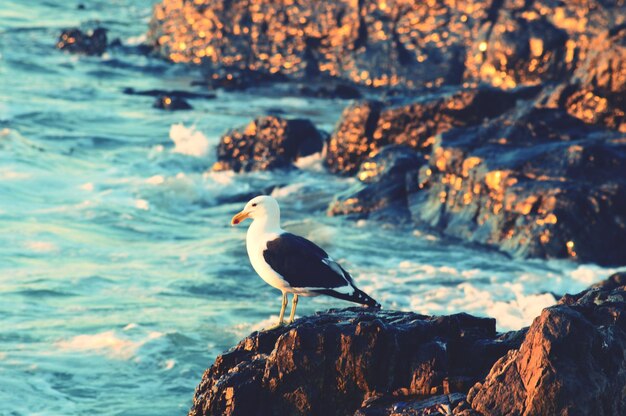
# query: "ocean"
121,278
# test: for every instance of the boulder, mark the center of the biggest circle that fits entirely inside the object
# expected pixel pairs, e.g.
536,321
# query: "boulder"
74,40
572,361
267,143
338,362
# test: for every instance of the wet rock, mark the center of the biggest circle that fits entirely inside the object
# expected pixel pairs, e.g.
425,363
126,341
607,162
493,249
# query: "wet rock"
170,93
383,185
367,126
572,361
166,102
337,362
535,183
267,143
88,43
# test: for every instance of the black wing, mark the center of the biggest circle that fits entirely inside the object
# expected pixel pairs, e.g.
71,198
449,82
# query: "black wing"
303,264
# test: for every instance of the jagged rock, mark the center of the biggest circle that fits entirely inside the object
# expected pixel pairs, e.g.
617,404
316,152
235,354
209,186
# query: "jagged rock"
267,143
171,103
383,184
89,43
572,361
337,362
367,126
535,183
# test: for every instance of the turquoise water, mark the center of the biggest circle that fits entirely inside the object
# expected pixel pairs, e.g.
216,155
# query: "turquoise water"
120,277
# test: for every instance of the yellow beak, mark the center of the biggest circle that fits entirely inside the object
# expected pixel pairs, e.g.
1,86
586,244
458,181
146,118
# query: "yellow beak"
239,217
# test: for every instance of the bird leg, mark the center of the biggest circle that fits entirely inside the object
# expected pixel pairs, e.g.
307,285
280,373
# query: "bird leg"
281,316
294,304
282,310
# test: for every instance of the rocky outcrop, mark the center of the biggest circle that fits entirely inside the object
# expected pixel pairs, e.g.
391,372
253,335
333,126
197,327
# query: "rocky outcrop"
74,40
344,360
408,45
504,169
572,360
267,143
542,184
367,126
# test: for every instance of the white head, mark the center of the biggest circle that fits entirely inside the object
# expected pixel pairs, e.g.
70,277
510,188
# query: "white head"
263,208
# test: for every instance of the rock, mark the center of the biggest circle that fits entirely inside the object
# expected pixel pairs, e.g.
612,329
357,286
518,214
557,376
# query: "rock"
534,183
572,361
88,43
366,42
267,143
367,126
166,102
342,91
383,185
335,363
169,93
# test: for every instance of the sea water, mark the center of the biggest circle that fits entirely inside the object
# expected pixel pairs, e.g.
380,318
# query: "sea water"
121,278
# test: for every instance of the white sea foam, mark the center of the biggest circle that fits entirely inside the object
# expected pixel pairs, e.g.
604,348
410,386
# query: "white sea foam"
188,140
108,343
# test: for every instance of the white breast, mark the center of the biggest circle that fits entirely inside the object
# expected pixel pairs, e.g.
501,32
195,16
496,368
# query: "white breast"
256,243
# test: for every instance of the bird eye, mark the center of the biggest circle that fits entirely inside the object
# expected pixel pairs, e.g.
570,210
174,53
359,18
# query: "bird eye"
254,205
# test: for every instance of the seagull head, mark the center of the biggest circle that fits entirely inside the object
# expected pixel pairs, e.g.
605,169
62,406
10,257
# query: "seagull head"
261,207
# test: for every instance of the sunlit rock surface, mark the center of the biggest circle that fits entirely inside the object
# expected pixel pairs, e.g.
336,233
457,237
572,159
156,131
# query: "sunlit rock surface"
267,143
337,362
572,360
504,169
369,125
406,44
542,184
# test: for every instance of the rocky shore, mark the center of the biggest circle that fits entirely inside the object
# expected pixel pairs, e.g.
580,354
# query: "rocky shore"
357,361
497,122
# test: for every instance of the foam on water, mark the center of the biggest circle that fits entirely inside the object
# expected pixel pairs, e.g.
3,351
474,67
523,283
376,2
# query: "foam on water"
121,277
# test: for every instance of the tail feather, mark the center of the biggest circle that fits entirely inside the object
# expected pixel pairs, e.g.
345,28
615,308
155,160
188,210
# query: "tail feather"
358,296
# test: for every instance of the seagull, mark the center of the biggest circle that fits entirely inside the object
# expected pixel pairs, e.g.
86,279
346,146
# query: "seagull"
293,264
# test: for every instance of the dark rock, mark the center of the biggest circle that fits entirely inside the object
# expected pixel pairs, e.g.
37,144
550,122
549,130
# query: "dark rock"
170,93
383,184
367,126
335,90
535,183
166,102
572,361
337,362
267,143
88,43
437,405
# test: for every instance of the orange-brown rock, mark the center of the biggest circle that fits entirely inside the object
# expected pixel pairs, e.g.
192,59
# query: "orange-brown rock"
572,361
337,362
267,143
367,126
